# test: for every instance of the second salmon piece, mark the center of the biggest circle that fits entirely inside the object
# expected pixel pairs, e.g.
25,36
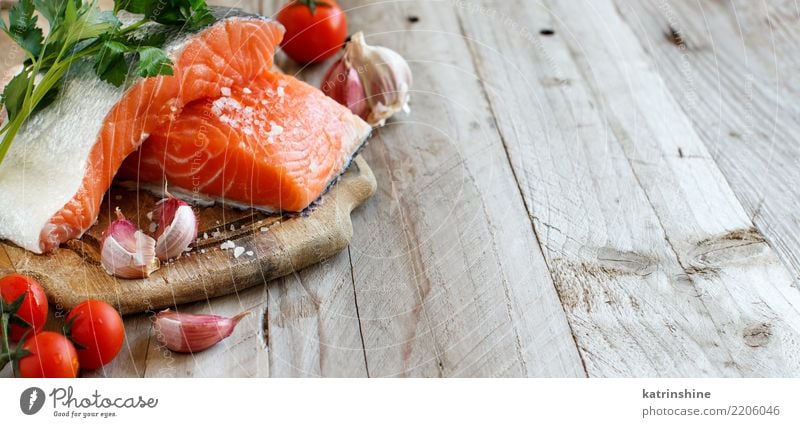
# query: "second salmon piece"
274,145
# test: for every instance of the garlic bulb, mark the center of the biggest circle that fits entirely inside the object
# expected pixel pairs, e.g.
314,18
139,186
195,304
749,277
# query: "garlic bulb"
127,252
177,227
375,75
189,333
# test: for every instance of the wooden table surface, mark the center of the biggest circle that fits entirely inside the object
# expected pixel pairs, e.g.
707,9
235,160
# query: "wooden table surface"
583,188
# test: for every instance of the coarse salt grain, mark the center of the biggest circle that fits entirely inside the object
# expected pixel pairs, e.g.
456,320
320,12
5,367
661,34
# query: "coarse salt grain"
249,253
264,229
238,251
227,245
205,236
226,91
153,227
247,90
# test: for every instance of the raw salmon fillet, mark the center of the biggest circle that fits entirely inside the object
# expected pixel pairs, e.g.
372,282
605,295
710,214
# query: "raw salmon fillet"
274,144
65,157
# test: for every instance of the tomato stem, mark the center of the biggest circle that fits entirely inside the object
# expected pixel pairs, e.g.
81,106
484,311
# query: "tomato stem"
5,330
8,313
312,4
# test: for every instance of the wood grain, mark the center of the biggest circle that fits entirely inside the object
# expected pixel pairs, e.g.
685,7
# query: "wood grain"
732,68
448,275
614,174
657,264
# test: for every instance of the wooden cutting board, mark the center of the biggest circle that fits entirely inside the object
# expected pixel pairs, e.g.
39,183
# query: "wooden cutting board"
274,246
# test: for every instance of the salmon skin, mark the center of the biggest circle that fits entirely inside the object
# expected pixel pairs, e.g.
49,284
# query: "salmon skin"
63,160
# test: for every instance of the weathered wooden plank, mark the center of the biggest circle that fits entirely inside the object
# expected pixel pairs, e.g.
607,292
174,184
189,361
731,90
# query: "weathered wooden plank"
732,67
313,327
656,262
448,275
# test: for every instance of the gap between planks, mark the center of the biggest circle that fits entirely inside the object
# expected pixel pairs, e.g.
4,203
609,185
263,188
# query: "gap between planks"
484,92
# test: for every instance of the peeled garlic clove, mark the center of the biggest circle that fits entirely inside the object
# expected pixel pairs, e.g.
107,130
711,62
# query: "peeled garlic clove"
127,252
343,84
189,333
384,75
177,227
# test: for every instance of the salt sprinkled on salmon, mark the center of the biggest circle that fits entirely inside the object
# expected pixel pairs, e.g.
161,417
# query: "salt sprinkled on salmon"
261,159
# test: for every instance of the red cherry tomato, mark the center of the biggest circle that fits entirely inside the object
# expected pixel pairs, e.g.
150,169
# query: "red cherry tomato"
97,331
52,355
312,38
34,307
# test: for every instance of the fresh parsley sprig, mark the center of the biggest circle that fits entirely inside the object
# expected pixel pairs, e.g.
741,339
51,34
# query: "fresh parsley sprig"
80,30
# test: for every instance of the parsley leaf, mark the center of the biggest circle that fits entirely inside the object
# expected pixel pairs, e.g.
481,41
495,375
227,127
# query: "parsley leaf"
52,10
83,22
111,65
22,27
191,14
81,31
14,94
153,62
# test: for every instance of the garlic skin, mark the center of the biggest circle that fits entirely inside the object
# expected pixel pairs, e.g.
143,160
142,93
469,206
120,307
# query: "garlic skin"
177,227
384,76
342,83
190,333
126,251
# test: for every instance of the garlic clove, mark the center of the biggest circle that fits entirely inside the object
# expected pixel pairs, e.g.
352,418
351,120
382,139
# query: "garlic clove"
177,227
385,81
126,252
190,333
343,84
385,75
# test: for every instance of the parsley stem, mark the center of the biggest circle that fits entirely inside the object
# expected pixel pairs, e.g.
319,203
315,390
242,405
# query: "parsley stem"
133,27
37,93
80,30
